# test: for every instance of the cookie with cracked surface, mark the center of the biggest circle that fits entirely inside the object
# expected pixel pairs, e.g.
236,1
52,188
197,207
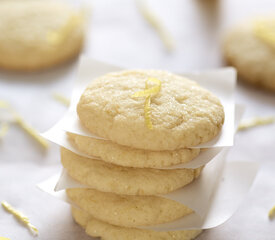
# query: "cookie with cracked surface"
97,228
131,157
183,114
126,210
107,177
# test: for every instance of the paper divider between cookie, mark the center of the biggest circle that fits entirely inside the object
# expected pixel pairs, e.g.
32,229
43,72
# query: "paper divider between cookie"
58,136
228,192
220,82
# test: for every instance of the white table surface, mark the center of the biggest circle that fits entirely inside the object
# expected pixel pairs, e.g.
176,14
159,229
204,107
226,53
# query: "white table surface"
119,35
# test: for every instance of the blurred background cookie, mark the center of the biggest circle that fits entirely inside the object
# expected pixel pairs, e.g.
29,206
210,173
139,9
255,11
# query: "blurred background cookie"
250,48
38,34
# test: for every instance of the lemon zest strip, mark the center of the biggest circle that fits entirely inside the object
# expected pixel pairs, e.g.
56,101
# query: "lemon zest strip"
30,130
148,93
62,99
271,213
4,129
154,21
254,122
21,217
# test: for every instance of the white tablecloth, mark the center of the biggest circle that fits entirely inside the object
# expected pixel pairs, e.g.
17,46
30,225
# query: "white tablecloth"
119,35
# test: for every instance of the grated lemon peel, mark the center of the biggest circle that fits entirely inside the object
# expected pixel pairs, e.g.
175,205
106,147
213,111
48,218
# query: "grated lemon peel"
21,217
254,122
31,131
271,213
265,31
26,127
62,99
154,21
58,36
148,93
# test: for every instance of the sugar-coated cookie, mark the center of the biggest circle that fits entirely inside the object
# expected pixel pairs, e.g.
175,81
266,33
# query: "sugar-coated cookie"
107,177
97,228
182,113
125,210
131,157
38,34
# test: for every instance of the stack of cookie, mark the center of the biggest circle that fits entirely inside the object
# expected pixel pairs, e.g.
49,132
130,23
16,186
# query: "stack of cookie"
148,121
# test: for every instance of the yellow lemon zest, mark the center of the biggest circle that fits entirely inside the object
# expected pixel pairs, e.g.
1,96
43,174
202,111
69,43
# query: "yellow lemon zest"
21,217
148,93
62,99
30,130
271,213
4,129
265,31
254,122
4,238
154,21
19,120
58,37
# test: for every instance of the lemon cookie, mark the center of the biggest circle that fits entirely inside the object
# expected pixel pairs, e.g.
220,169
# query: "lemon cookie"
126,210
250,48
182,113
97,228
38,34
82,218
131,157
107,177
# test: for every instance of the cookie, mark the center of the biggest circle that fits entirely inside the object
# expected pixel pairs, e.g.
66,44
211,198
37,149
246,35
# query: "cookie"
125,210
130,157
97,228
251,51
38,34
182,113
107,177
82,218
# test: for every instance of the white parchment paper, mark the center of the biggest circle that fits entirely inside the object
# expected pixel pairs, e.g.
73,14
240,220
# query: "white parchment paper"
221,82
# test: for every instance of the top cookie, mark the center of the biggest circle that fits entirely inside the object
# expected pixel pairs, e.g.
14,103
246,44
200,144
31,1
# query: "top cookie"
38,34
183,114
250,48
